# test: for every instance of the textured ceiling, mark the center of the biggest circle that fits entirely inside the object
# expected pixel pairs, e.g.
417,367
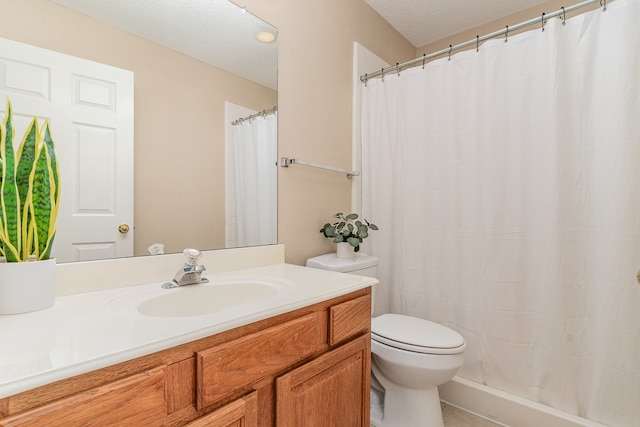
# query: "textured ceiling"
216,32
426,21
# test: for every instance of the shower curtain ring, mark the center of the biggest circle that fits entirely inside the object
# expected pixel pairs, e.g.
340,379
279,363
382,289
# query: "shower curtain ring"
563,16
382,71
424,57
542,21
398,68
506,35
450,49
604,7
366,79
477,43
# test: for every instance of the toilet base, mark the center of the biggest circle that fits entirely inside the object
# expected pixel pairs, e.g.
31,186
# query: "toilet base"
404,407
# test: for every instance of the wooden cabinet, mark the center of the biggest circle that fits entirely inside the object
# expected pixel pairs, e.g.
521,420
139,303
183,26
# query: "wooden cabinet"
309,367
349,318
241,412
239,363
329,391
136,401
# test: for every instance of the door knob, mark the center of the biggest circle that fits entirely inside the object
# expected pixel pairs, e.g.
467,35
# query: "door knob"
123,228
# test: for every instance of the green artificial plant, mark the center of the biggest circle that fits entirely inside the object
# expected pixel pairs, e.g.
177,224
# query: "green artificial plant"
29,192
348,229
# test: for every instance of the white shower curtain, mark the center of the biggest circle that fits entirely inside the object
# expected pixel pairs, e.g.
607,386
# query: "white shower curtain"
254,157
506,185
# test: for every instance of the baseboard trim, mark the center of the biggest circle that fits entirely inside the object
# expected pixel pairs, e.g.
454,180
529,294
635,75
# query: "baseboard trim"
505,408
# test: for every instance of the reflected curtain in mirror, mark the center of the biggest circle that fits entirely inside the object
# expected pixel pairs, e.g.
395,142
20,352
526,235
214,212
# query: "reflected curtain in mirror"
251,187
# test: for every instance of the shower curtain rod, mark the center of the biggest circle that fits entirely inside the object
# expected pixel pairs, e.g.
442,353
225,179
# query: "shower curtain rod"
253,116
479,39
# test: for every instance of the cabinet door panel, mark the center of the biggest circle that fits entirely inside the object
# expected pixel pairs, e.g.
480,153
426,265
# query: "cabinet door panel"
239,413
134,401
330,391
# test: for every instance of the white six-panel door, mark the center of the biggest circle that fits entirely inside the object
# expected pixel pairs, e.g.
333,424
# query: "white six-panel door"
90,108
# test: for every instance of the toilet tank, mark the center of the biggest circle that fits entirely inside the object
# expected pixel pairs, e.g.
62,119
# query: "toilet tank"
360,264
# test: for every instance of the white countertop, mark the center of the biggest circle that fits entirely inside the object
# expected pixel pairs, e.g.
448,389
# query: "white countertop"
93,330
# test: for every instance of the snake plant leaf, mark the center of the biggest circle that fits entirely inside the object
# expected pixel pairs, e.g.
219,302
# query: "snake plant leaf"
9,199
40,200
44,194
53,170
26,156
55,166
1,216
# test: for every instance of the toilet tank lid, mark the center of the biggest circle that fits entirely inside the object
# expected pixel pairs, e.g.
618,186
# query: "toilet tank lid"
344,265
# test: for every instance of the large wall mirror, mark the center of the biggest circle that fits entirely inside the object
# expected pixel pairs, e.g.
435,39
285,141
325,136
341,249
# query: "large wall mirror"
195,179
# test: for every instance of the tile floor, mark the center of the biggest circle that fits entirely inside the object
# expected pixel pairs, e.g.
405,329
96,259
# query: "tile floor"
454,417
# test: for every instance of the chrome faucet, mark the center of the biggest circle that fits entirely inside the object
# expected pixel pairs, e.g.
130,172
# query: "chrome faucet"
190,273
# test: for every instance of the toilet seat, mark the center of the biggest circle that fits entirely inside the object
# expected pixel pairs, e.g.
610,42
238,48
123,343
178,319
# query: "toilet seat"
416,335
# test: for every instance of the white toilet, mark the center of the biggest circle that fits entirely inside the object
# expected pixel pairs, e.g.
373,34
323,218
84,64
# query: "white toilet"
411,357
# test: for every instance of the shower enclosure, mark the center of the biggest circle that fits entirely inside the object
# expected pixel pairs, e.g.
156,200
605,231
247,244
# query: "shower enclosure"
506,186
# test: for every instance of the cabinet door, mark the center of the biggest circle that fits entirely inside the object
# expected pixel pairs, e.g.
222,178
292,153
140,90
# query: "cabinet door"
330,391
134,401
242,412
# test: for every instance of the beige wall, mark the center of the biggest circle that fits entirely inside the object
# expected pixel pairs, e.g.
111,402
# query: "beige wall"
315,89
179,127
501,23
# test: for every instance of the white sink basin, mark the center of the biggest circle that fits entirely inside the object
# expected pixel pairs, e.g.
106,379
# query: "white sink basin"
217,296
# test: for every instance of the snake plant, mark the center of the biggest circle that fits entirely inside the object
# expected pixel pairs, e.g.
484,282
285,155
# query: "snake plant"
29,191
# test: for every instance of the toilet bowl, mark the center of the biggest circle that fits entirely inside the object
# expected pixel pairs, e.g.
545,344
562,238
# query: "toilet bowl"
410,358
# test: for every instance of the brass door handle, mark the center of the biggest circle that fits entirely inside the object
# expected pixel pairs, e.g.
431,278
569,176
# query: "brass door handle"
123,228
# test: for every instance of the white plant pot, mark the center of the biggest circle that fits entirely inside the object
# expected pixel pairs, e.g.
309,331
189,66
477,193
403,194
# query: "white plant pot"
345,250
27,286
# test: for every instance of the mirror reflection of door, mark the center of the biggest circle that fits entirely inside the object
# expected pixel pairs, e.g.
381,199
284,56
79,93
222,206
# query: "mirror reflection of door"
90,108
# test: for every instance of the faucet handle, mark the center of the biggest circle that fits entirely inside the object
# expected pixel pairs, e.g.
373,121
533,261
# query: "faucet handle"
191,256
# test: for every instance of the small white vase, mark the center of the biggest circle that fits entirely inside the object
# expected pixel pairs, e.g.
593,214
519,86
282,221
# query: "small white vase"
27,286
345,250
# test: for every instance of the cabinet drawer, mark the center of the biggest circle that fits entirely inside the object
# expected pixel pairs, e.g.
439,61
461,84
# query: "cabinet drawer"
134,401
226,368
349,319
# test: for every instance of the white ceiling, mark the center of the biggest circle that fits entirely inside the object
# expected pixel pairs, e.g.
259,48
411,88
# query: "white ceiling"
426,21
216,32
219,33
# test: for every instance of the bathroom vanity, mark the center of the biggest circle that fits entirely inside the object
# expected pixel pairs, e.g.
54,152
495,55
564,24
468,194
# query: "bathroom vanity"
304,360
